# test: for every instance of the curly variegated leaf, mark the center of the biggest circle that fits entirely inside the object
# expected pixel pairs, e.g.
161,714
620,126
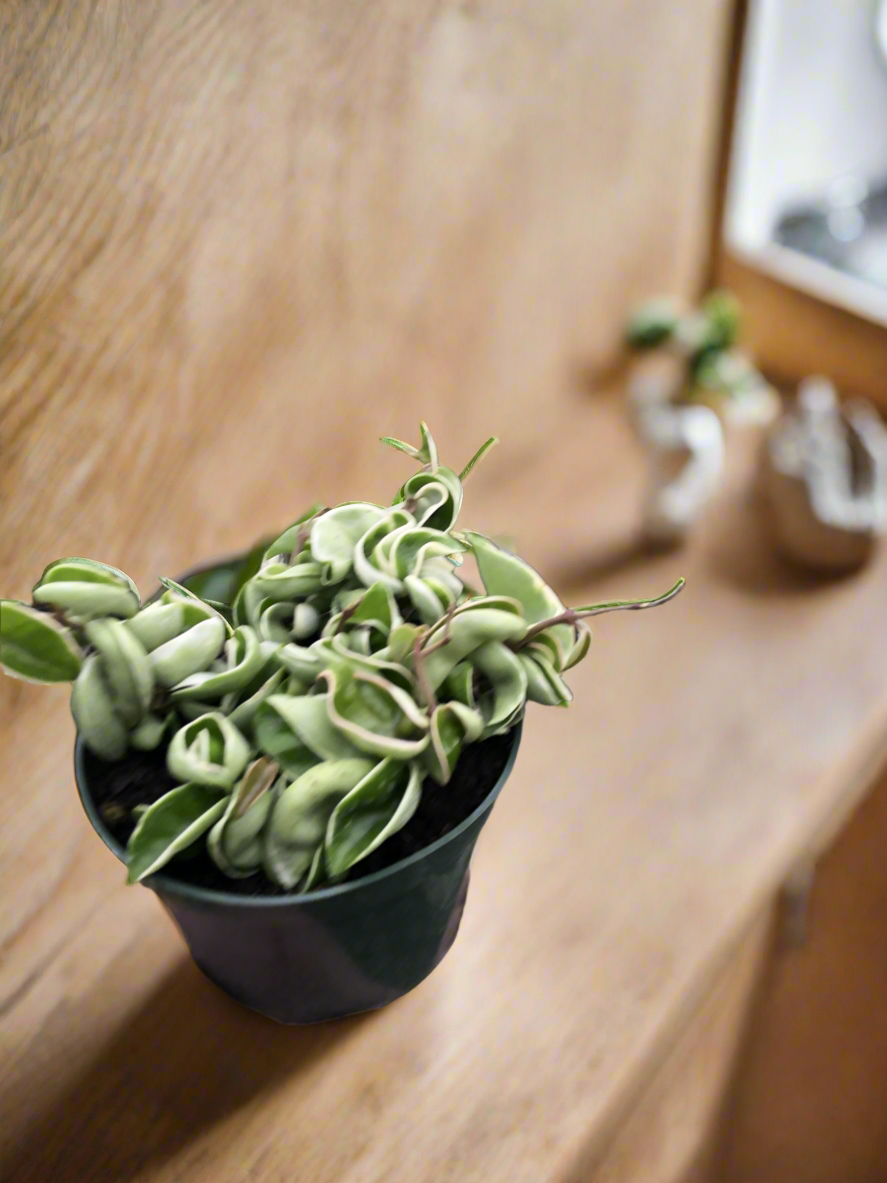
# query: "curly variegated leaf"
505,574
380,805
294,538
209,751
178,591
473,624
373,714
235,841
544,683
126,668
452,726
83,589
241,709
335,535
366,568
190,652
36,647
243,660
372,614
502,700
300,816
279,582
93,708
171,825
306,726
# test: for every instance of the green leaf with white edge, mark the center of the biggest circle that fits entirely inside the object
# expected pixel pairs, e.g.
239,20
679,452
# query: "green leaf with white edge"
405,551
243,713
209,609
452,726
277,581
503,573
478,456
189,653
308,719
84,589
374,715
304,662
335,534
335,649
377,606
317,874
210,751
544,684
244,660
285,543
507,682
171,825
86,598
469,630
235,841
93,709
401,641
436,498
158,623
36,647
366,568
425,600
380,805
125,666
459,684
299,819
273,736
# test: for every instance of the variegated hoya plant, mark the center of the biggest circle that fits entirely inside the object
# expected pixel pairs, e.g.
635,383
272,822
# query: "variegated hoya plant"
302,719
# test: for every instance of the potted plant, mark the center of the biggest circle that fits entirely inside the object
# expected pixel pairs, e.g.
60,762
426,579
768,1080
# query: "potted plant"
297,751
693,381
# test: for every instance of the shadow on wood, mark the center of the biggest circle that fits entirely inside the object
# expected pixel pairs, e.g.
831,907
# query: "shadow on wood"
179,1065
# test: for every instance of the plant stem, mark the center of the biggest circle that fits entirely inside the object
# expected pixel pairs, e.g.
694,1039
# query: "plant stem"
573,615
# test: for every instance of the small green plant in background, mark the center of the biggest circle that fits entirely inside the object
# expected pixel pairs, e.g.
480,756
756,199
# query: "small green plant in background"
302,712
705,342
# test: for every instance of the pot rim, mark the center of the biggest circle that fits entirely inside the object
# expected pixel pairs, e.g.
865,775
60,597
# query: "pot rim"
168,885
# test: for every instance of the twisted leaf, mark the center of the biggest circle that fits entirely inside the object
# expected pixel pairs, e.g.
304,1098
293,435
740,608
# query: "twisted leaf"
208,751
243,713
452,726
294,537
235,841
472,625
191,651
373,714
504,573
170,825
335,535
503,703
300,815
125,666
92,706
380,805
35,647
84,589
244,659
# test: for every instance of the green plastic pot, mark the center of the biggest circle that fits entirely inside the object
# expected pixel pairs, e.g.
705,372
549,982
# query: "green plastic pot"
333,952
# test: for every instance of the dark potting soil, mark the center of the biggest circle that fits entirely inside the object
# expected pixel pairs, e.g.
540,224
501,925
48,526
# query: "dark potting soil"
140,778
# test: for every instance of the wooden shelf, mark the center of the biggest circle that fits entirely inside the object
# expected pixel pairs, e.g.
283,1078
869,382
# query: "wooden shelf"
640,841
